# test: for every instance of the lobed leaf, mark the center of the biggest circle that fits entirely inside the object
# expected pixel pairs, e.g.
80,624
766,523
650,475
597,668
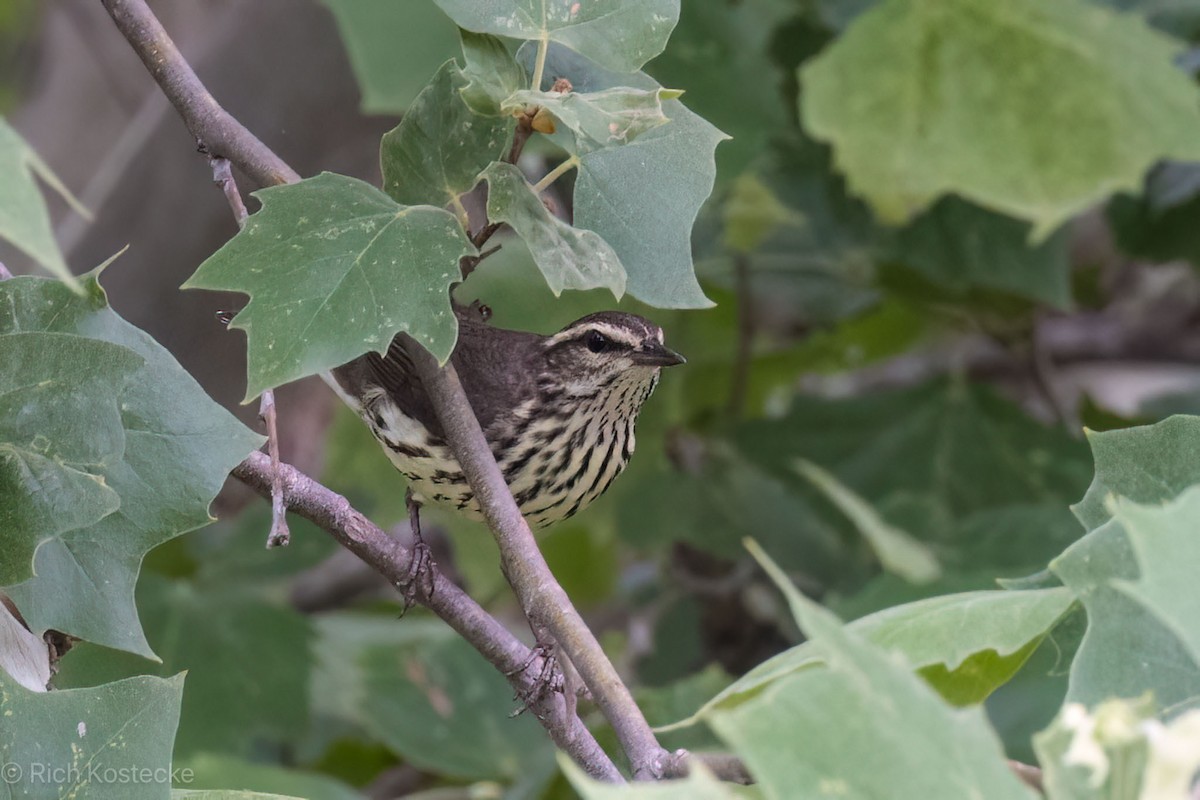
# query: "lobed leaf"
861,725
1152,656
1146,464
568,257
86,743
60,430
438,150
335,267
178,448
965,645
642,198
1031,109
492,73
619,34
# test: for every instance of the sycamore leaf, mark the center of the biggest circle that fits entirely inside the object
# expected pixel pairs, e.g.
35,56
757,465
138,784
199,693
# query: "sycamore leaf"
965,645
334,267
619,34
177,449
492,73
860,725
1037,110
60,429
643,197
79,743
440,146
568,257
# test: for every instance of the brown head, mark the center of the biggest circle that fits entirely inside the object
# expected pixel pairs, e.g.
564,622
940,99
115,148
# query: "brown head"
606,350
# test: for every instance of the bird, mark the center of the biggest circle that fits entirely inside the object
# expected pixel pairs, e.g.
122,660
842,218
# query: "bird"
557,411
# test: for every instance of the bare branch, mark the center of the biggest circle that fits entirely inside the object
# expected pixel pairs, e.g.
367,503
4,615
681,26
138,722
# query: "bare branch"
212,126
544,601
333,513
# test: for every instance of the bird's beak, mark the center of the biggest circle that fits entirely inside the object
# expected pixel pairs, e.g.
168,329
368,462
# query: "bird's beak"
653,354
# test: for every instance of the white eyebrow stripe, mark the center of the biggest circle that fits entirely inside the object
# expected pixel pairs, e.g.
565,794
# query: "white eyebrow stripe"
617,334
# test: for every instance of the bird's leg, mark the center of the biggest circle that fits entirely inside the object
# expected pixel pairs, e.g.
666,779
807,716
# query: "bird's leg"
420,566
550,675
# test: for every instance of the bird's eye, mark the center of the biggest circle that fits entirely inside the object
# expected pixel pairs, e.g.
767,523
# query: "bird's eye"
596,341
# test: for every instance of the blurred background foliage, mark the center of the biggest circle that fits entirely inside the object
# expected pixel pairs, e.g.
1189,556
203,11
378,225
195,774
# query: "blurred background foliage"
941,369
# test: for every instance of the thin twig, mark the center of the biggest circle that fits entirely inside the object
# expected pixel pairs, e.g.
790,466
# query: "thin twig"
333,513
220,133
279,535
543,599
223,178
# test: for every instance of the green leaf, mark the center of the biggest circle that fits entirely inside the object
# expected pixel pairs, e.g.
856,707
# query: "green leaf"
60,429
1167,548
643,198
390,77
964,645
752,212
438,150
967,473
619,34
179,448
24,219
896,549
700,784
1097,569
1146,464
959,246
607,118
223,625
492,73
436,702
920,100
334,267
569,258
861,725
110,741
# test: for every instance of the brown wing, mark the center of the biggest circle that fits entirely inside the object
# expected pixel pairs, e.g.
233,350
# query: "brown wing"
498,369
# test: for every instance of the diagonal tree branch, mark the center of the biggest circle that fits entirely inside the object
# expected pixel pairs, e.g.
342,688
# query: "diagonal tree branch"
545,603
334,514
212,126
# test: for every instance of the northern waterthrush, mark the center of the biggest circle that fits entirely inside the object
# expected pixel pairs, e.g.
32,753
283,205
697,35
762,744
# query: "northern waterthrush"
558,411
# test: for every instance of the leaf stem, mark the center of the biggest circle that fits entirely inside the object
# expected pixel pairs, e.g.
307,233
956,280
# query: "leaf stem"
555,174
539,64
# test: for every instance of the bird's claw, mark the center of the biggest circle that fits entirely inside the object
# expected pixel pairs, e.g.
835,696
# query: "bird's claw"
549,679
